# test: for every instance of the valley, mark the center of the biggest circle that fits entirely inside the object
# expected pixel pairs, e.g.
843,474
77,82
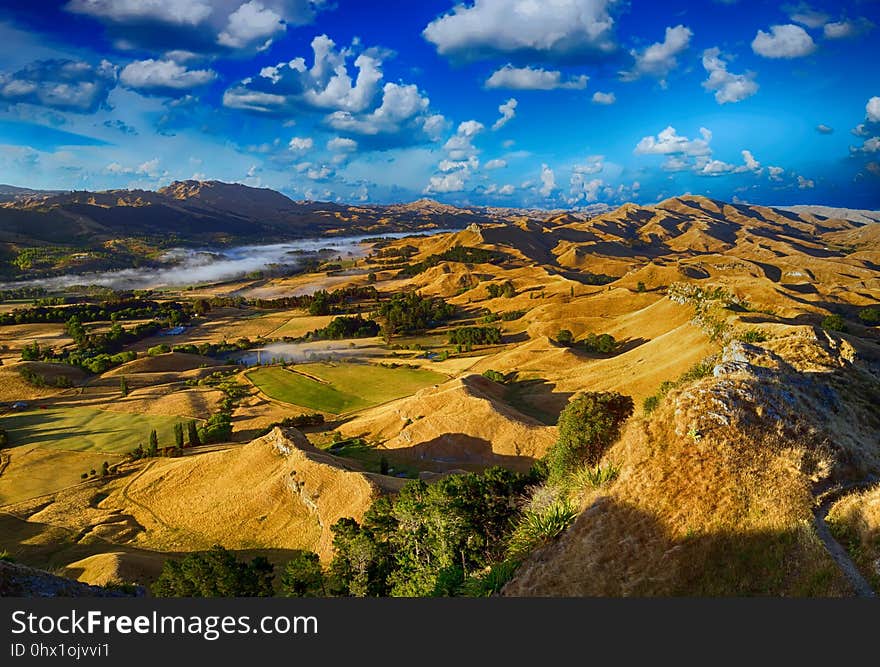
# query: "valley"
257,411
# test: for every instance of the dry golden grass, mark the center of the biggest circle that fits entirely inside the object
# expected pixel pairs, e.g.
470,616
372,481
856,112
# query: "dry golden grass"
855,520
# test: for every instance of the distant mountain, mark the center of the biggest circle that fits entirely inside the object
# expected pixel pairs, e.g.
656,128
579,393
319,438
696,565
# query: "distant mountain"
856,215
13,192
210,211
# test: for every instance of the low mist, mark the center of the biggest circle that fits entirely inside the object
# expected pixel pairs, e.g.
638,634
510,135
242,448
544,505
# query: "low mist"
185,266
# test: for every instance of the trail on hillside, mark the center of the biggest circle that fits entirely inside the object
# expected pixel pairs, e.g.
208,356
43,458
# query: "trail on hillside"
835,549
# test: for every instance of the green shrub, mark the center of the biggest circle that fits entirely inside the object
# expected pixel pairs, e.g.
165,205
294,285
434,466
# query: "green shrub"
162,348
834,323
495,376
588,426
565,337
753,336
303,576
870,315
601,344
537,528
216,573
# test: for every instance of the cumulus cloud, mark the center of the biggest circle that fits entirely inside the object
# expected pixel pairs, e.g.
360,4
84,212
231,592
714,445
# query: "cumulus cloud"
750,162
533,78
66,85
342,145
604,98
582,189
461,159
871,145
163,77
592,165
174,12
783,41
659,59
497,163
507,111
452,182
251,24
728,87
563,30
809,17
301,144
356,103
872,110
198,25
775,173
669,142
805,183
503,190
548,181
847,29
824,129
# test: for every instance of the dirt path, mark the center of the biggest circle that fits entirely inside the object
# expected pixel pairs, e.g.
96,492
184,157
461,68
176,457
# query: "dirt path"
835,549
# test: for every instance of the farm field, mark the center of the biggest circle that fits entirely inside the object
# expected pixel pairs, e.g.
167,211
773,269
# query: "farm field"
34,471
365,384
81,429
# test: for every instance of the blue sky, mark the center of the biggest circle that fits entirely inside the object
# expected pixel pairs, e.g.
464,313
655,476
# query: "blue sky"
551,103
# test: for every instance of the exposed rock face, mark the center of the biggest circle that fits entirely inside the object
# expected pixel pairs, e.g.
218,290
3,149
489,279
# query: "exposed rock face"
21,581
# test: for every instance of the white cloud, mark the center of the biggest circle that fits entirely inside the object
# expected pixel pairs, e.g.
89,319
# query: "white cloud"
659,59
301,144
871,145
504,190
604,98
751,163
66,85
459,146
775,173
249,100
149,168
668,142
581,188
497,163
593,165
558,30
872,110
400,103
548,181
174,12
507,111
783,41
453,182
728,87
846,29
805,183
251,24
716,168
861,130
533,78
163,76
809,17
824,129
342,145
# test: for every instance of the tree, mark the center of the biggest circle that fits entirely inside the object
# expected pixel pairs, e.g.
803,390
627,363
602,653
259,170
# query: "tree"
303,576
870,315
640,287
193,431
105,469
588,426
123,386
371,277
565,337
4,438
834,323
178,436
216,573
601,344
153,449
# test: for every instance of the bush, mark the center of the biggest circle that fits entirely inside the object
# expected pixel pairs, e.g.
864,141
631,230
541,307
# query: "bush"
475,336
495,376
565,337
538,528
158,349
834,323
214,574
588,426
601,344
303,576
753,336
870,315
